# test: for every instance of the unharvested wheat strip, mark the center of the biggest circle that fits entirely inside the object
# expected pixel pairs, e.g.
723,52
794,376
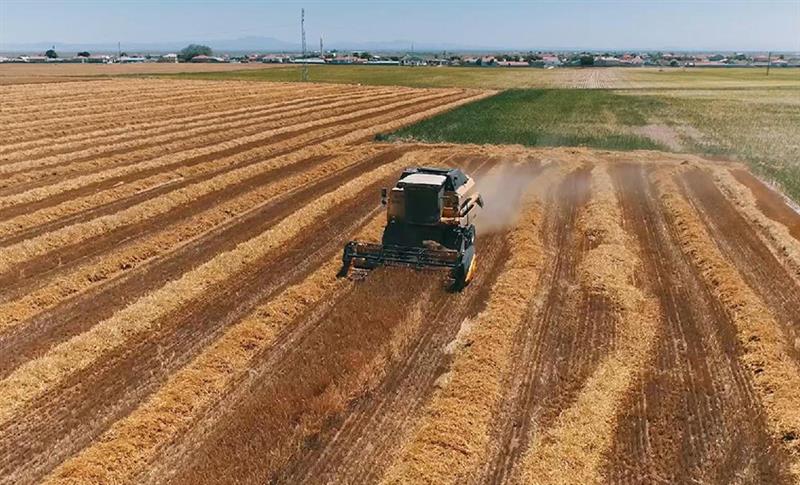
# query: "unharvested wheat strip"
397,120
343,110
76,95
88,90
134,138
764,352
777,235
34,378
58,90
61,110
37,134
304,130
187,232
111,135
572,450
128,102
157,103
20,252
453,433
128,124
76,204
19,93
67,124
19,133
203,113
282,122
33,134
126,449
79,205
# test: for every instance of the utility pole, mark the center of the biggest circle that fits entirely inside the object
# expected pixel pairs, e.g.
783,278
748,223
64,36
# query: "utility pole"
303,36
119,50
321,52
769,61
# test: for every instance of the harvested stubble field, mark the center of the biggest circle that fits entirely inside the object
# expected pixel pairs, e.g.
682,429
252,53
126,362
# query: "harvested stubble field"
169,311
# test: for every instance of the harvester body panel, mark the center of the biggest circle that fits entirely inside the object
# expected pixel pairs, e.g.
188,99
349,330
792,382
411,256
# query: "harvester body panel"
429,224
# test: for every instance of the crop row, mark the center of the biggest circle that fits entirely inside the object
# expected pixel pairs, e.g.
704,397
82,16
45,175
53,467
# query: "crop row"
33,378
573,448
92,156
54,288
150,127
775,375
450,438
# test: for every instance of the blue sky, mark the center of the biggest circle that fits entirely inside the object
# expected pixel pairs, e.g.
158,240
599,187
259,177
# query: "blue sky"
726,25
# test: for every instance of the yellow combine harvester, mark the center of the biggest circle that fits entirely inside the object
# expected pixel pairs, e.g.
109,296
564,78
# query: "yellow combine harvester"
430,214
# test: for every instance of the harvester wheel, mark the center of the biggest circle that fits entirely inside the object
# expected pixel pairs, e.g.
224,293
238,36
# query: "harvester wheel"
471,271
462,276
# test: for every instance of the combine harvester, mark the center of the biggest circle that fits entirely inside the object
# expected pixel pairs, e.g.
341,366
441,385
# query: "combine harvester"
430,214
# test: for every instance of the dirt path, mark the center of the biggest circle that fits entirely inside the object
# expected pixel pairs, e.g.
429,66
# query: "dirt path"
694,417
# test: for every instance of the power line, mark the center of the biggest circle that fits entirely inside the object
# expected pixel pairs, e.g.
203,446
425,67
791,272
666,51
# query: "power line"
769,61
303,36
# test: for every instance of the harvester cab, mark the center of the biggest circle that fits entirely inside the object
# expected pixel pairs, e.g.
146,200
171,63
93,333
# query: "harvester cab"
430,215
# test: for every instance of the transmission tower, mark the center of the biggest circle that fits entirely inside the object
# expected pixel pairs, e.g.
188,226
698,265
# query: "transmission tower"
303,36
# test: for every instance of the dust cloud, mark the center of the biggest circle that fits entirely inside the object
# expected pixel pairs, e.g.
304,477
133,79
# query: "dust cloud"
501,191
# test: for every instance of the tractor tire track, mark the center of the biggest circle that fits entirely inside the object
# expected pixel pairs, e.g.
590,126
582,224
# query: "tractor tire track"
770,202
551,362
741,244
694,415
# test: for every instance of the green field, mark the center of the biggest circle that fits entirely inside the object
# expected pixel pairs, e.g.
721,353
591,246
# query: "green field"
510,78
544,117
420,77
757,126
